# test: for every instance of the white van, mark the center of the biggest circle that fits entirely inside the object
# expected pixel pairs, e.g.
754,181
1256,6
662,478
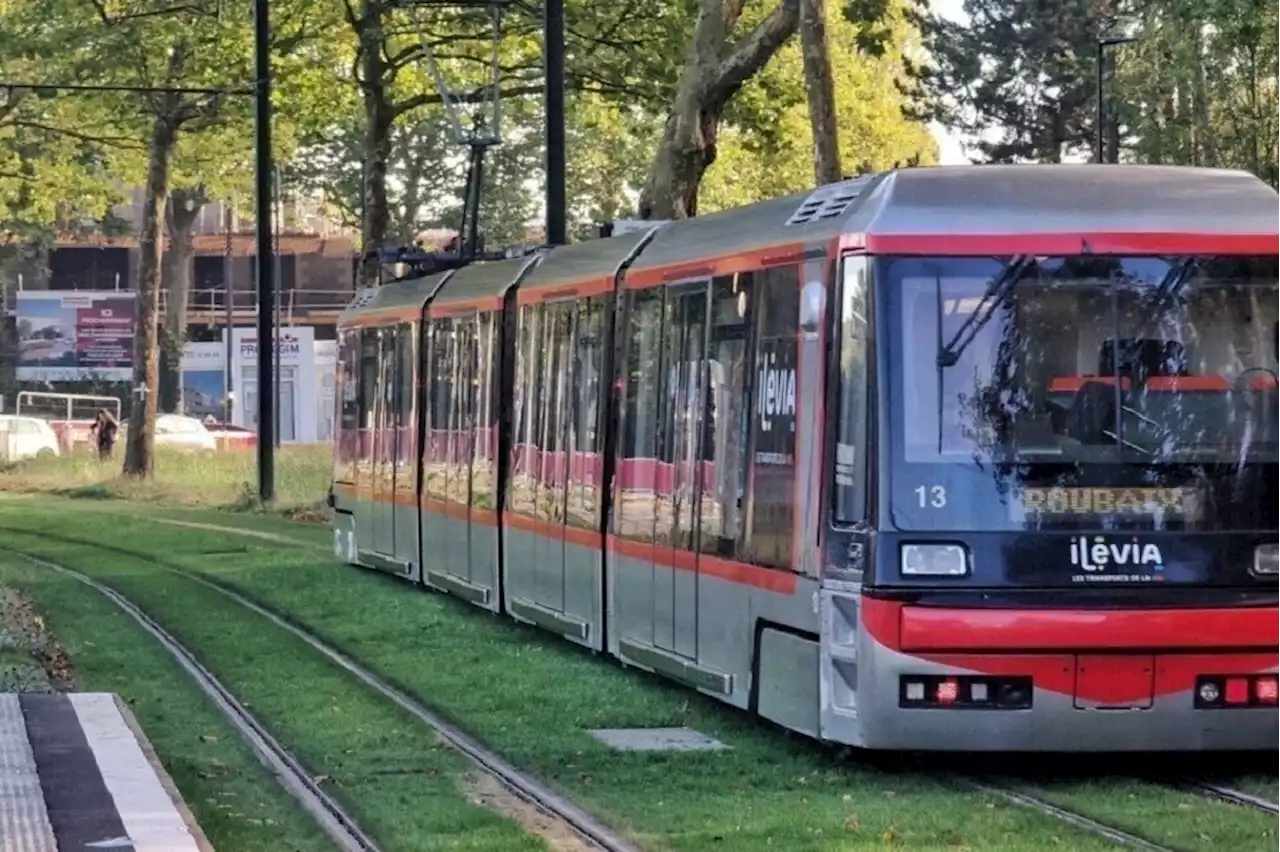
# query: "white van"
25,438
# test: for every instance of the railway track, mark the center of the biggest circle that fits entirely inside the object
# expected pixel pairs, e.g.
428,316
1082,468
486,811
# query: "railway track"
593,834
1026,797
1229,794
291,774
589,831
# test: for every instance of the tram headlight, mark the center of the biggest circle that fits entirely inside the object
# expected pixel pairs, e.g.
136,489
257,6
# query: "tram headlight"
1266,560
935,560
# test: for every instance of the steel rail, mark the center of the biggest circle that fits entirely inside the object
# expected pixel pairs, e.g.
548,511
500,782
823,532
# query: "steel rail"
1022,797
1229,794
291,775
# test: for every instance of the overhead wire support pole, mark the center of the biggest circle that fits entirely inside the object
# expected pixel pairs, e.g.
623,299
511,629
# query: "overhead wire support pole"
1100,120
553,51
486,129
265,258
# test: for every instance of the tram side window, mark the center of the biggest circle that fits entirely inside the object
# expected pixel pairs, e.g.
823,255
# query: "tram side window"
484,414
522,495
637,479
770,523
849,504
461,344
348,405
406,356
368,395
439,392
556,346
682,409
724,479
586,469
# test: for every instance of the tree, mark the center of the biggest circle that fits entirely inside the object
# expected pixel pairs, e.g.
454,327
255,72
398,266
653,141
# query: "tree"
767,134
1022,71
186,55
714,71
821,91
718,67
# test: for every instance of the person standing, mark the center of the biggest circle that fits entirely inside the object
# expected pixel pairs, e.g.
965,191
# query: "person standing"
104,431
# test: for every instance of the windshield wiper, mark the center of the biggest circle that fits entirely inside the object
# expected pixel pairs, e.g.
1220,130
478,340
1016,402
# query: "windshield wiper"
997,292
1168,287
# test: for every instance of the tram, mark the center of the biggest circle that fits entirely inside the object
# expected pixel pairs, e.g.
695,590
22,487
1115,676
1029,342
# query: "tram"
967,458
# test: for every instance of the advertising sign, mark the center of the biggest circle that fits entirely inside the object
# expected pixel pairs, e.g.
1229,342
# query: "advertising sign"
67,337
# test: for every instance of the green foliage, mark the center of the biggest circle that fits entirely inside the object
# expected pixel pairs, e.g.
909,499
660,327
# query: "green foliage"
1018,69
65,160
766,145
1198,86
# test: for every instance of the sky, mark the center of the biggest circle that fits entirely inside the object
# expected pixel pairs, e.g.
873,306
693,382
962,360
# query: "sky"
950,151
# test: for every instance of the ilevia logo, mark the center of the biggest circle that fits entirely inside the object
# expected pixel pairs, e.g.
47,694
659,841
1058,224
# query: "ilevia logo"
1100,554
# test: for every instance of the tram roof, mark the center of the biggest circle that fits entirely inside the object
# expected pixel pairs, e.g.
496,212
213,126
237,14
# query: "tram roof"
581,269
391,302
1020,201
942,209
480,286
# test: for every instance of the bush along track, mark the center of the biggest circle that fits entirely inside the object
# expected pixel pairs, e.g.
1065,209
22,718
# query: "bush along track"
396,630
404,787
98,648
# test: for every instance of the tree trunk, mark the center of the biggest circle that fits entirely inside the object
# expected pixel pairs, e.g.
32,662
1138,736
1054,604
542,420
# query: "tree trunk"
821,90
139,457
708,82
183,210
377,215
378,118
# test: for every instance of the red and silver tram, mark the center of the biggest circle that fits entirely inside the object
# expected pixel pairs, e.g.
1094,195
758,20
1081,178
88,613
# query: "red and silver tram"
977,458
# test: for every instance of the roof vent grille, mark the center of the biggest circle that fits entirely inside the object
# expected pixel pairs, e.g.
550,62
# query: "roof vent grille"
829,202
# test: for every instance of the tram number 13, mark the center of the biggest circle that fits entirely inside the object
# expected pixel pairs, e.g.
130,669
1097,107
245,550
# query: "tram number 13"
931,496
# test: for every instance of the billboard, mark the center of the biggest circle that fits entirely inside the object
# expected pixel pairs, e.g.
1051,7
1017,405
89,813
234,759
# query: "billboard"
77,336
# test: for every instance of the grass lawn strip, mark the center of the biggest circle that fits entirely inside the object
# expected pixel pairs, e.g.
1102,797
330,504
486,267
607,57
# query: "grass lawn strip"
1182,819
223,479
405,788
532,699
234,798
318,534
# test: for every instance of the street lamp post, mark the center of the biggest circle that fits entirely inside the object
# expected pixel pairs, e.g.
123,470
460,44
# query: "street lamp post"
1099,153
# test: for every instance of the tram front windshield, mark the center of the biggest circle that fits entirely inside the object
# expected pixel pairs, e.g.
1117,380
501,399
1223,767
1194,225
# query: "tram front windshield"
1077,392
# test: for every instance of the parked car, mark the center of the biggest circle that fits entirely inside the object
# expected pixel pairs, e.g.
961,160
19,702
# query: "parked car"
26,437
175,430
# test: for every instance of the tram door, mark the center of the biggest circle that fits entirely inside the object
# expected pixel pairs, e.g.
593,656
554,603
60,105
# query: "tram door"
384,477
675,587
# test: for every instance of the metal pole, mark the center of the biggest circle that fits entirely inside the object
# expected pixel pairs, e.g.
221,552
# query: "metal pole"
553,48
266,270
1099,119
1099,153
228,297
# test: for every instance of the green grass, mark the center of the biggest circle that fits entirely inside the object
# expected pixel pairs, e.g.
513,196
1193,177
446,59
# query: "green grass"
225,480
402,785
236,801
1171,817
533,699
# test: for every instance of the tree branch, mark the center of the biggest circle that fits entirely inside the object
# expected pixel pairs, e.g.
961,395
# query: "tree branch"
754,52
123,142
101,8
